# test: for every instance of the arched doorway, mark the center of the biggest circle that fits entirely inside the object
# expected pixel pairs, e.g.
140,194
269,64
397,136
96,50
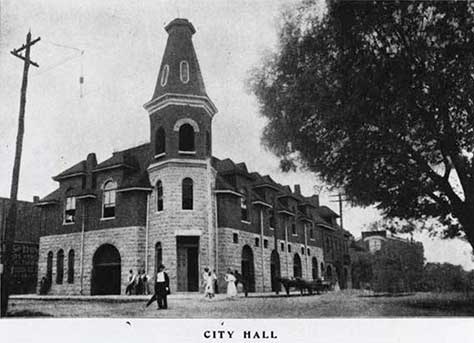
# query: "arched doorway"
248,273
314,268
297,266
329,273
275,271
106,271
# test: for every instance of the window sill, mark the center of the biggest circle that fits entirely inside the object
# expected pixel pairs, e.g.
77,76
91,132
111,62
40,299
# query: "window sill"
108,218
186,152
160,155
246,222
71,223
271,228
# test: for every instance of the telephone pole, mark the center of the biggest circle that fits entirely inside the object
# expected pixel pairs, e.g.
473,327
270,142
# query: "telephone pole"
8,235
340,200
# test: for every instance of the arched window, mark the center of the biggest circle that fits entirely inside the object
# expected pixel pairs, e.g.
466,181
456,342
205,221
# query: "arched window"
244,213
159,196
297,266
208,143
164,75
70,208
108,201
184,71
60,267
187,194
314,268
160,141
49,267
186,138
70,267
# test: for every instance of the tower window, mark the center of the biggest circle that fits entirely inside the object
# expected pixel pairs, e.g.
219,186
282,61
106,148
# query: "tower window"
186,138
164,75
243,206
70,267
160,141
184,71
187,193
70,210
159,196
108,201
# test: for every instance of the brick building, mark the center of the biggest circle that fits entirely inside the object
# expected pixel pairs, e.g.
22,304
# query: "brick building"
170,201
385,262
25,246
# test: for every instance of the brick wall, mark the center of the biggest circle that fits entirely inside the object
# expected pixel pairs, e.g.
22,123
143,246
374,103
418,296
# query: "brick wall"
129,241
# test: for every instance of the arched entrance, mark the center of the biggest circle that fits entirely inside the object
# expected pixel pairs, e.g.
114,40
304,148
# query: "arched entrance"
275,271
329,273
314,268
297,266
106,271
248,273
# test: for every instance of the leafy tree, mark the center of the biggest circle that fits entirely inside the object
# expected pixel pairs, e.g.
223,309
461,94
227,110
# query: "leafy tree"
377,98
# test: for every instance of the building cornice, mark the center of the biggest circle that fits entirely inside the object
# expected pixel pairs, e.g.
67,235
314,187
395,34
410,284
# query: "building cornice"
177,162
169,99
262,203
228,191
139,189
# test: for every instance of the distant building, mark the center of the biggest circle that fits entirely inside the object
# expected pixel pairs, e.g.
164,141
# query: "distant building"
170,201
25,247
387,263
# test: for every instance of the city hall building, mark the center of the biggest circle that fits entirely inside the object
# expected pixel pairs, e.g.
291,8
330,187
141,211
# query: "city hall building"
170,201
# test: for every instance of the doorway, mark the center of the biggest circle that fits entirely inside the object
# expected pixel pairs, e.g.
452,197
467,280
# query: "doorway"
275,271
248,273
106,271
187,250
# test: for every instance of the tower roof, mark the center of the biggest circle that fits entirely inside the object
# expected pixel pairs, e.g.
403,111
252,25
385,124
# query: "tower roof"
179,71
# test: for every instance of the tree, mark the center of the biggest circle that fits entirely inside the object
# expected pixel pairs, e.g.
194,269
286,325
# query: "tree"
377,98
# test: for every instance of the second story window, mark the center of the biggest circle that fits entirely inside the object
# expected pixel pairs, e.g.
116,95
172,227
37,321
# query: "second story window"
160,141
70,210
311,233
272,220
108,200
187,194
186,138
159,196
293,229
244,213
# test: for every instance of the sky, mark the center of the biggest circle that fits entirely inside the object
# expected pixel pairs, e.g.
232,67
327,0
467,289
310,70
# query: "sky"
117,47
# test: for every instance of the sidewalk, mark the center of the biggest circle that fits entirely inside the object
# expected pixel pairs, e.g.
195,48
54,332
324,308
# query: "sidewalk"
137,298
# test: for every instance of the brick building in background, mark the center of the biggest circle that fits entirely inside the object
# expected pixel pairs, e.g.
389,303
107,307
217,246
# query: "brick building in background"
25,247
170,201
385,262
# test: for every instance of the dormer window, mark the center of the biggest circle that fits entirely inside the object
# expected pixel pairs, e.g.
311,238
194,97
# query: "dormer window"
108,200
164,75
184,71
244,213
70,210
186,138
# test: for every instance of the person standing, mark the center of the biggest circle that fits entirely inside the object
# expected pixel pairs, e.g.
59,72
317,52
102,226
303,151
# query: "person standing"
214,282
230,279
131,283
209,289
162,288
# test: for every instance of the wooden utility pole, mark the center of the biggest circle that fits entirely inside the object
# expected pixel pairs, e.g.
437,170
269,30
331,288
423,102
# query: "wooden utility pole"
340,200
8,235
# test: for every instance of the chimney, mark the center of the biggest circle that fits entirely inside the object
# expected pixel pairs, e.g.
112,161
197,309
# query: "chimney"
36,198
91,163
297,189
315,199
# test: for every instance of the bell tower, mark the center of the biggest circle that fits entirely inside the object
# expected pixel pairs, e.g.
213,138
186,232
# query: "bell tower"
180,111
180,210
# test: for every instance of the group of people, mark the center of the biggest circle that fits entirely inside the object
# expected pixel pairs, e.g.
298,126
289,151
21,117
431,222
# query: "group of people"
233,278
137,283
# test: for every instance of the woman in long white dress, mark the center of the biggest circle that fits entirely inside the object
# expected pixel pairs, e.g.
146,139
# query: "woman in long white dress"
209,287
230,279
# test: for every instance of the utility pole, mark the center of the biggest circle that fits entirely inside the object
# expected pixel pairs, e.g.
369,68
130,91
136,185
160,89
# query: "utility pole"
8,235
340,200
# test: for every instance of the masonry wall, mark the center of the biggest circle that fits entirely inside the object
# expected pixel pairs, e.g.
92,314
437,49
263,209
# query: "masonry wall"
230,256
173,221
129,241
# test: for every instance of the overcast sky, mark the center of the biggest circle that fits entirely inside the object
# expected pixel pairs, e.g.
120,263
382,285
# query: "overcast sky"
123,42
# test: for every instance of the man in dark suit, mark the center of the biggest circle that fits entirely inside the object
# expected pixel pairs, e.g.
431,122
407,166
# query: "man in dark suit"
162,289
